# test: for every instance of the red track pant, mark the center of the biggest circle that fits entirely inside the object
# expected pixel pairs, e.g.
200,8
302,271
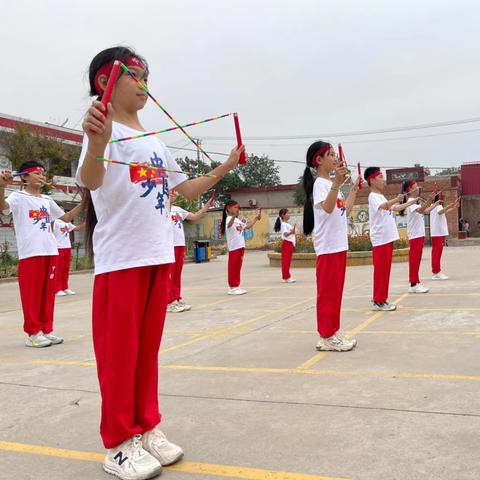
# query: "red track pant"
235,260
415,258
37,282
176,274
330,280
129,309
64,259
382,265
287,252
437,250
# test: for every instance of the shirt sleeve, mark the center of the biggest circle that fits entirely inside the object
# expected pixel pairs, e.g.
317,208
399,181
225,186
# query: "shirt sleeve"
55,210
183,213
12,201
320,193
175,177
78,177
70,226
375,201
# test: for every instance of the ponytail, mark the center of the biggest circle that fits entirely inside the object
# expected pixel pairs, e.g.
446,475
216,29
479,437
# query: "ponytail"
278,223
308,181
224,215
90,222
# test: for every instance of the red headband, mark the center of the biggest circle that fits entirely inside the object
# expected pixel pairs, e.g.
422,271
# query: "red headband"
373,175
107,68
33,169
321,151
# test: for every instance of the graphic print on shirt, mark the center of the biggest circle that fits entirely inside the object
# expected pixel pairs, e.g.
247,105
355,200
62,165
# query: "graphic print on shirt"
41,216
64,231
341,205
177,221
149,178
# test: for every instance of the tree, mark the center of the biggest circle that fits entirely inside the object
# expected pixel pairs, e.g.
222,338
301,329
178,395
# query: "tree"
23,145
260,172
449,171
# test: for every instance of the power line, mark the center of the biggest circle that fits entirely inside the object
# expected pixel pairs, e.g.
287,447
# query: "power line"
356,132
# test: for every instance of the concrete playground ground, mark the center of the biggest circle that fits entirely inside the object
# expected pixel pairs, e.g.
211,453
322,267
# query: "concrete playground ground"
244,392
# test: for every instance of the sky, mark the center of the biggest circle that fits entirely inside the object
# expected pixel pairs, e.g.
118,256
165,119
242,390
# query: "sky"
289,68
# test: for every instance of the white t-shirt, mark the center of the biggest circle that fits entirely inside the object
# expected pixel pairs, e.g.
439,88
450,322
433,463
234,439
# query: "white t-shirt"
287,228
383,228
32,217
330,231
134,226
415,223
438,223
62,230
178,216
235,238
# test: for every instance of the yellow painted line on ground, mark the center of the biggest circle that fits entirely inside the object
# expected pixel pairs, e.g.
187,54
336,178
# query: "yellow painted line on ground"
440,309
321,355
282,371
422,332
234,329
195,468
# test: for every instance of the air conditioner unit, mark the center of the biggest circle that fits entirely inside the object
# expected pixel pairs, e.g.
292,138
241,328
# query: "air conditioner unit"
252,202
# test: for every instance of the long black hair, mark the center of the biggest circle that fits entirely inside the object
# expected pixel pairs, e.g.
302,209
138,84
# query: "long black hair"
308,181
406,185
229,203
102,58
278,223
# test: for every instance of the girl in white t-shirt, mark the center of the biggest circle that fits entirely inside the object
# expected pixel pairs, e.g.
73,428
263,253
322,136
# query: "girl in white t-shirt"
233,228
61,231
438,233
32,215
325,217
179,215
416,235
383,233
288,242
129,232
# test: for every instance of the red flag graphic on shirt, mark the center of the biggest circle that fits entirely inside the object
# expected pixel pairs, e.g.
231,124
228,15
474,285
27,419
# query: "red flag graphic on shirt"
143,171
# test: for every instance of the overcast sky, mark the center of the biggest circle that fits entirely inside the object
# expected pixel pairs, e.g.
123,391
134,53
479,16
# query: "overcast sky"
288,67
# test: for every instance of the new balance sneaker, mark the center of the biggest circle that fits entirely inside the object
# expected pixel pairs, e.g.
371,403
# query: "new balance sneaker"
343,337
183,305
237,291
53,338
174,307
418,288
69,292
155,442
334,344
289,280
61,293
129,461
439,276
383,307
38,340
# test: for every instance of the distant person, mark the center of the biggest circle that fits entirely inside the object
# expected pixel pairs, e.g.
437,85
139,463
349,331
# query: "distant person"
288,242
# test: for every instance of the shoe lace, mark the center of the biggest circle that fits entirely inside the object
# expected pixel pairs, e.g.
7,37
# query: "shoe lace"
135,448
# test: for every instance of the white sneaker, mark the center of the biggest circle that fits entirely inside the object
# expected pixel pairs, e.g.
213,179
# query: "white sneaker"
289,280
174,308
183,305
344,338
439,276
69,292
155,442
39,340
237,291
383,307
418,288
129,461
53,338
334,344
61,293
